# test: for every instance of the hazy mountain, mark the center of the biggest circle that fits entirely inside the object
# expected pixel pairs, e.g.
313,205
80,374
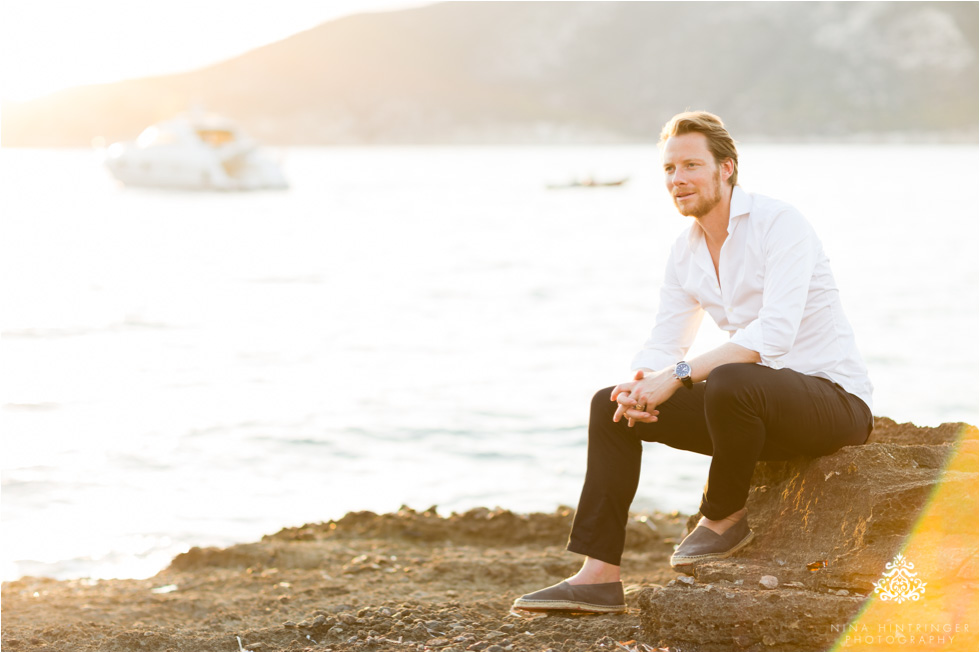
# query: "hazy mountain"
547,72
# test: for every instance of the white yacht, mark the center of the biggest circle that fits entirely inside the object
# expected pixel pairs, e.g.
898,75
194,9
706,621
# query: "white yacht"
194,151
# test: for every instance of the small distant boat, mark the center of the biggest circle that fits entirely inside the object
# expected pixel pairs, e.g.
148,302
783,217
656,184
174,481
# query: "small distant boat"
589,182
194,151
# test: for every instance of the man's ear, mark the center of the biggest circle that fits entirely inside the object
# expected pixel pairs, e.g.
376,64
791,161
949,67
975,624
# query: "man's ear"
727,169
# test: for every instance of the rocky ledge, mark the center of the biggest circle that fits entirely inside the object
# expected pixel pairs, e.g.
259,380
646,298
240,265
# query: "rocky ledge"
827,533
419,581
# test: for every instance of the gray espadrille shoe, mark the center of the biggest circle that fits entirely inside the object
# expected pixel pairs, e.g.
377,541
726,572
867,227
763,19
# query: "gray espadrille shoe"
598,597
705,544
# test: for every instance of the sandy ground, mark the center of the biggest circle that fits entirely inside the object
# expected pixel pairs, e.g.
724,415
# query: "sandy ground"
408,581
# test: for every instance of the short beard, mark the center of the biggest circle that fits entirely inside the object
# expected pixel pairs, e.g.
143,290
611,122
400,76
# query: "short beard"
706,204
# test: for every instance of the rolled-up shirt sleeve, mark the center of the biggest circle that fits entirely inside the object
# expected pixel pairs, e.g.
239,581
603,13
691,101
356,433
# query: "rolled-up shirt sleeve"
678,318
791,251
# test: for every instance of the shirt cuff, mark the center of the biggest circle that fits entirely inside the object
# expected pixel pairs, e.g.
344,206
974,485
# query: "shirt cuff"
751,338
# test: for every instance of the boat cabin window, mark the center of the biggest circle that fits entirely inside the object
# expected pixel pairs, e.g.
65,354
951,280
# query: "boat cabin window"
215,137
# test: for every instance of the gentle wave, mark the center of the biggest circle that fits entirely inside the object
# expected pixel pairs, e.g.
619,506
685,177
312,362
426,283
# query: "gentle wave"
78,331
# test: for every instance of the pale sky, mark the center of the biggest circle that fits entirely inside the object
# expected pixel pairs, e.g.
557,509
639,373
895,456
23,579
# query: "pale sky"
47,45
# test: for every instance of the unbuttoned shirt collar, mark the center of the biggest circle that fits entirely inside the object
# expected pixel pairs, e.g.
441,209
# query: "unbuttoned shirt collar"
741,206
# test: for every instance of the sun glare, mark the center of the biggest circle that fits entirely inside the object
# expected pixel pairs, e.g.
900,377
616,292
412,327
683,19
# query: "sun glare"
903,620
48,45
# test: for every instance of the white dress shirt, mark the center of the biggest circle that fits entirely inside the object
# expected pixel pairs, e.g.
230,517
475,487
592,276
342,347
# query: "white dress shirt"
777,296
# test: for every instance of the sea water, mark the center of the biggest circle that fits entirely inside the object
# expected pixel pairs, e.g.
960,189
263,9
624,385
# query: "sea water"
420,326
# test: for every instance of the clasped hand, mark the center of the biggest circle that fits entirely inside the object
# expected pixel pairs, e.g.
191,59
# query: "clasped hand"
639,398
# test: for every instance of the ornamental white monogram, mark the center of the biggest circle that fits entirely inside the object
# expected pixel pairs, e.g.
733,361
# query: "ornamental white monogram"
899,582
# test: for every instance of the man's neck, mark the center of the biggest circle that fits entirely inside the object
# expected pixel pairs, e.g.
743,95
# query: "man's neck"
714,224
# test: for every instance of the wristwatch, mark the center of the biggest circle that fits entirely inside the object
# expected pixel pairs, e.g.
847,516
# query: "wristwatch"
682,372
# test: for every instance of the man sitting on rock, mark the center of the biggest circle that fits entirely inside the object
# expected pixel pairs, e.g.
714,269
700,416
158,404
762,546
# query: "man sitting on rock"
790,382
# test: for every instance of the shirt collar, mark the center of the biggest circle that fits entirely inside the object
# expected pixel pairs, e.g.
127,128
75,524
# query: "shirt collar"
741,205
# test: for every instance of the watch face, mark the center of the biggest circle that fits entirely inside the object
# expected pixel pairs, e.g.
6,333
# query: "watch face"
683,370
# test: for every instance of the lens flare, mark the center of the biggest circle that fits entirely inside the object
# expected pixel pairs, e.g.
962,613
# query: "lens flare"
931,603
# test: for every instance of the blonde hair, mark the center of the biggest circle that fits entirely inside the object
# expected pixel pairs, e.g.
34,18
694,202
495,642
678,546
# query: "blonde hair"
720,142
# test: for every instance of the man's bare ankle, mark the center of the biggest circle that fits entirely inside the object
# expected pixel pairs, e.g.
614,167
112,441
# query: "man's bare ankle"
580,579
719,526
594,572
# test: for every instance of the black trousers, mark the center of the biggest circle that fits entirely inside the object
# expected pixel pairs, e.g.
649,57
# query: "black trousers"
742,414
